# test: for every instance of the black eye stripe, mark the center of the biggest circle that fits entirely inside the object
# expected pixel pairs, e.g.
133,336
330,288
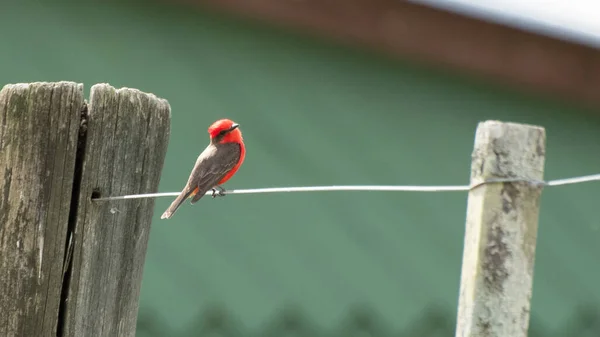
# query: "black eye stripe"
224,132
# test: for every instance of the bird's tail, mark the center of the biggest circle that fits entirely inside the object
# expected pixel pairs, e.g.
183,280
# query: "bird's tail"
176,203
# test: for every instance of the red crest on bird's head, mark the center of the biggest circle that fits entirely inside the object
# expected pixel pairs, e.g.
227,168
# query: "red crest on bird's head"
225,129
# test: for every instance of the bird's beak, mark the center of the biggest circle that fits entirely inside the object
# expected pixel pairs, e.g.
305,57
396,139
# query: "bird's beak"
234,126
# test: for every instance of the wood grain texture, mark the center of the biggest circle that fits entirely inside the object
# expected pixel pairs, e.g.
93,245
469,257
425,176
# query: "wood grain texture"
125,147
39,125
501,231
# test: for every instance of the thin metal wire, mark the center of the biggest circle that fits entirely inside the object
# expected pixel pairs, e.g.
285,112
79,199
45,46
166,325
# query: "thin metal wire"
364,188
574,180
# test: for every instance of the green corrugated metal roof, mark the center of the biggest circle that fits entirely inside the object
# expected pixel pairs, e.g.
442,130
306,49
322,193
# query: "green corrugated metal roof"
313,113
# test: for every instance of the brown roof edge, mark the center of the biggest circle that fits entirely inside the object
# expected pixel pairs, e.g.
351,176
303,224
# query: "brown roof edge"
513,56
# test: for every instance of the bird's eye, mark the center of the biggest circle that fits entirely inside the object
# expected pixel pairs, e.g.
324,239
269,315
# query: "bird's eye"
223,132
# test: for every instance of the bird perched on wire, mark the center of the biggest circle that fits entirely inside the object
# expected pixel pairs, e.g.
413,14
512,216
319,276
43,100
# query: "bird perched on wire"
215,165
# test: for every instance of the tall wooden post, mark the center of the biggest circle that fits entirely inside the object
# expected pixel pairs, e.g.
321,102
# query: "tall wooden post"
69,266
501,231
39,126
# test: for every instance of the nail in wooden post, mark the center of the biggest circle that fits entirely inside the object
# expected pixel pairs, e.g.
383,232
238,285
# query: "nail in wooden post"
501,231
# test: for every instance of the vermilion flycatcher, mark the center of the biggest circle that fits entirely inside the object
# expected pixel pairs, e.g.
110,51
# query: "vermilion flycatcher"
215,165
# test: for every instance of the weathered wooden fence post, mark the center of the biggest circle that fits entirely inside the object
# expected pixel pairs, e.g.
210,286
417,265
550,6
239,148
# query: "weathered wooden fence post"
70,266
39,126
501,231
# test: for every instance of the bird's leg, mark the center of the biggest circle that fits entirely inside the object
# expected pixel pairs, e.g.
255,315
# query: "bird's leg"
220,193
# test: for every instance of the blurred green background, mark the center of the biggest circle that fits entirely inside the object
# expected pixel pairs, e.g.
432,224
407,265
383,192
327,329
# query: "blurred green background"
314,112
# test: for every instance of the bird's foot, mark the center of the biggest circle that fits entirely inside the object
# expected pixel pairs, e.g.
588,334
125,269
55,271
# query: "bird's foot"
219,193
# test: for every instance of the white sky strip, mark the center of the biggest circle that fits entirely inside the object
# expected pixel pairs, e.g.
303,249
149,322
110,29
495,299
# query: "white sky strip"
575,20
372,188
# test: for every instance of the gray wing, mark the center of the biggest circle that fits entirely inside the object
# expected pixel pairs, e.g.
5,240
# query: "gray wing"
213,169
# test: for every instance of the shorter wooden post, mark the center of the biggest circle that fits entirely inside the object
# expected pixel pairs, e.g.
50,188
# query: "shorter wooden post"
501,231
